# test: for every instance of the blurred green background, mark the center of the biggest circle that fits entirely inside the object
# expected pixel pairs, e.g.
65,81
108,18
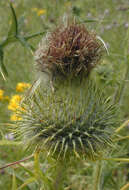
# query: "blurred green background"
112,23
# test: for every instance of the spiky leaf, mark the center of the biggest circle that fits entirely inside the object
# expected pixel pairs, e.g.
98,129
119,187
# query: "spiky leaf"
14,26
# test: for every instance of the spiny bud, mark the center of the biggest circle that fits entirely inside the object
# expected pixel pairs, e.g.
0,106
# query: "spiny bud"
69,50
72,120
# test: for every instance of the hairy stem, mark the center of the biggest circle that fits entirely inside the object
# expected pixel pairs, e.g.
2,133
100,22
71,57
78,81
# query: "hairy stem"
60,176
97,175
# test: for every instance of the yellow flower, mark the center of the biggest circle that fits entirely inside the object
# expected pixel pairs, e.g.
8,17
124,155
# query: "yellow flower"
14,117
14,103
41,12
21,86
1,94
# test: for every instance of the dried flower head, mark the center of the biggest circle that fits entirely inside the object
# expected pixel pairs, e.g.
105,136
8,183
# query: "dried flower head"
69,49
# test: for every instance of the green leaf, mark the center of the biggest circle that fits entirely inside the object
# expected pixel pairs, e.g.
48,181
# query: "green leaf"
2,134
27,182
3,69
20,21
34,35
11,40
8,40
19,179
6,142
14,183
39,174
27,170
14,26
10,171
106,177
25,43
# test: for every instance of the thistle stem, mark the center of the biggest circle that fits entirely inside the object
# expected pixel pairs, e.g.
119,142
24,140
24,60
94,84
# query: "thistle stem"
97,175
59,179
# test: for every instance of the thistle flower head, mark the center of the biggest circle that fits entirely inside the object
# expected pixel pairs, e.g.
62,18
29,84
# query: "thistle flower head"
69,49
71,120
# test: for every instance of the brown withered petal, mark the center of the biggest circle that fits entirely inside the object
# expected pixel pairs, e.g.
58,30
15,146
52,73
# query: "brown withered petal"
70,49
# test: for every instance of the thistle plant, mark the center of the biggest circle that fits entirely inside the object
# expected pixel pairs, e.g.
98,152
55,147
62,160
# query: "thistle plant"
68,114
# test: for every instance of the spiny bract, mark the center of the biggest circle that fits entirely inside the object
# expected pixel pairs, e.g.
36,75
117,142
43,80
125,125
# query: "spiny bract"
75,118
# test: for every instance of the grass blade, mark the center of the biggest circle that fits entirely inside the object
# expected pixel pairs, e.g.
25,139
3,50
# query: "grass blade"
3,69
10,143
27,182
14,183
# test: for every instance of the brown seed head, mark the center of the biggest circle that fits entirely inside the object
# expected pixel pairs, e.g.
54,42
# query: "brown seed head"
70,49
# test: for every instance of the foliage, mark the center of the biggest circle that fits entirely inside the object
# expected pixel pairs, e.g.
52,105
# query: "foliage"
13,36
